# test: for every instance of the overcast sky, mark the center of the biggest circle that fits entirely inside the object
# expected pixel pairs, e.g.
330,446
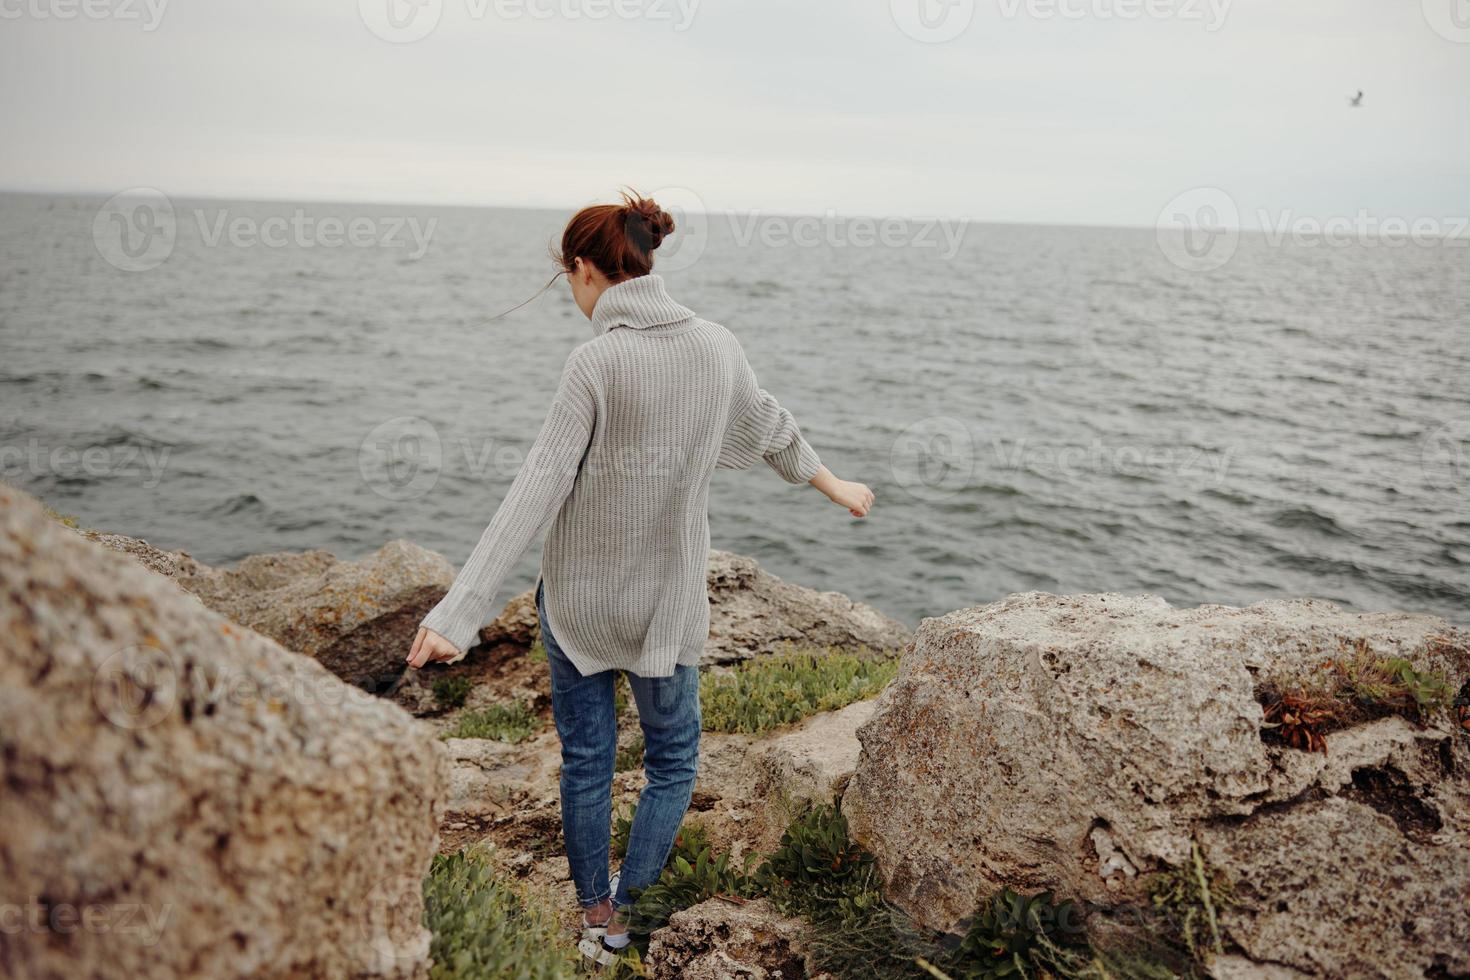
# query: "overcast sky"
1065,111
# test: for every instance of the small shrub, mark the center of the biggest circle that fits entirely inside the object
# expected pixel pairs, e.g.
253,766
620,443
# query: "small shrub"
486,927
511,721
777,690
816,868
1191,897
450,692
537,653
1014,935
684,884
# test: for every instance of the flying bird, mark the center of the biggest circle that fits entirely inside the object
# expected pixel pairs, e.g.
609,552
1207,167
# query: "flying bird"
1356,101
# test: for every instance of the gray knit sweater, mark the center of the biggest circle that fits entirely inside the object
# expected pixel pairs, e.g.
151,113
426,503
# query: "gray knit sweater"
643,415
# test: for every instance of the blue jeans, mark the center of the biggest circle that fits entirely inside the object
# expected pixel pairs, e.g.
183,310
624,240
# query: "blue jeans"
668,711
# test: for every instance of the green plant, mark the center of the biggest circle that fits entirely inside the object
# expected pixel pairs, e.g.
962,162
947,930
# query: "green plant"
1014,935
1191,898
1391,685
816,867
450,692
537,653
630,757
684,884
510,721
485,928
783,688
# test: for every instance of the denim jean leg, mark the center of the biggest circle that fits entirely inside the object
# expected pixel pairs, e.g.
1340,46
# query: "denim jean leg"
668,711
587,726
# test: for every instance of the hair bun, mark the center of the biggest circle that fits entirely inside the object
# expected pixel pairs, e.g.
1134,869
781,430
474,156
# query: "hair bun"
648,223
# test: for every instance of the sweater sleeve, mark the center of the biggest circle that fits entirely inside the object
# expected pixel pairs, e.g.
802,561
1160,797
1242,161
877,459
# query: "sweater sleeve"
761,429
536,494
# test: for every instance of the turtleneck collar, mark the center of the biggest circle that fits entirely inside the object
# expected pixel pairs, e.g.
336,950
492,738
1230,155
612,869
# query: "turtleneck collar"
639,303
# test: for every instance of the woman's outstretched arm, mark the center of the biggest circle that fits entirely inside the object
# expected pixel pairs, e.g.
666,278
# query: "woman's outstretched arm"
761,429
542,484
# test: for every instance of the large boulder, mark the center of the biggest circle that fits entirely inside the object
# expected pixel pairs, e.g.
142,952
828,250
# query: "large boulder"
183,797
1081,743
753,612
356,618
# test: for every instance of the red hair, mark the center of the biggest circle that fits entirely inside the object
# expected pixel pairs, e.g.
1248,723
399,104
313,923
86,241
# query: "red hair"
617,238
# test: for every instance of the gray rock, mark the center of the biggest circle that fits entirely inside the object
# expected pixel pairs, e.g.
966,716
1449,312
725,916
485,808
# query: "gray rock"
722,940
170,564
357,618
183,797
1082,743
753,612
811,764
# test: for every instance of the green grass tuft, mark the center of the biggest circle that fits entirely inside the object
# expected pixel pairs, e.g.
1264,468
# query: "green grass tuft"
486,928
450,692
768,692
511,721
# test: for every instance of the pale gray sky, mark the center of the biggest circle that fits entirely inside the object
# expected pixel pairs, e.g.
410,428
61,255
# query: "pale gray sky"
1071,111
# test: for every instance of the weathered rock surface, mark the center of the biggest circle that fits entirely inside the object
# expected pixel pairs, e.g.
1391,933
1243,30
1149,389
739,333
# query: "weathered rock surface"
721,940
357,618
183,797
754,612
1078,743
170,564
811,764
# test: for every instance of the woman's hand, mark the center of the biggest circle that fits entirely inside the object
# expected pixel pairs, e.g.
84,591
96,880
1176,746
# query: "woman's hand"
430,647
856,497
